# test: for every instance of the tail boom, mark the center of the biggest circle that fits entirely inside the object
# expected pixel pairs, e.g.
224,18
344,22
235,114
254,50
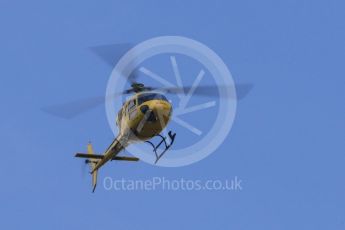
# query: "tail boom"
96,161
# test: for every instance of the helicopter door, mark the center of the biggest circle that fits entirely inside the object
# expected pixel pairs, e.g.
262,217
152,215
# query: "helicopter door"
132,109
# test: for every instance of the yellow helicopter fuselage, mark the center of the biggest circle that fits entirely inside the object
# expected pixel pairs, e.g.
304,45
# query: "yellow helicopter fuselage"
143,116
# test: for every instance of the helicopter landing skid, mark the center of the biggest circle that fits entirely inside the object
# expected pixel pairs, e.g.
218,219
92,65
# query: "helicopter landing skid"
163,141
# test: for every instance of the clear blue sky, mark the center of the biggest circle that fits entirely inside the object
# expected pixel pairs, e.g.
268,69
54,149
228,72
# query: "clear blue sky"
287,142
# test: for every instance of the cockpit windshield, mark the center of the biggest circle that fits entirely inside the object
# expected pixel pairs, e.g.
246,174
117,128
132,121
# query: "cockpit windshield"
150,96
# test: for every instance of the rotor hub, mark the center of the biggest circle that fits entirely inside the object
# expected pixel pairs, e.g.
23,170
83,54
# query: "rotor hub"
138,87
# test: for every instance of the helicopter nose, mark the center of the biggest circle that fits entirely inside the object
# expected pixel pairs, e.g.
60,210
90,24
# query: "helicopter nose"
161,110
160,107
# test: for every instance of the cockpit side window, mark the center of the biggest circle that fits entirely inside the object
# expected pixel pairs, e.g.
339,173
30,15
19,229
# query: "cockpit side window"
131,104
131,108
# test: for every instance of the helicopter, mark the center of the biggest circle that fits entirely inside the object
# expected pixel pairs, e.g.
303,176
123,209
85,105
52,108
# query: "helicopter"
143,116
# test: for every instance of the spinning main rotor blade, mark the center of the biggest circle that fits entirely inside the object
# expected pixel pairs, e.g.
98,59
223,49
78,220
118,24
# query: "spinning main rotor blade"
112,53
211,91
75,108
72,109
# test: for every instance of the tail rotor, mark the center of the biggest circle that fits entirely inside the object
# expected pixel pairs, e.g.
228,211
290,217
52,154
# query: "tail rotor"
92,163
